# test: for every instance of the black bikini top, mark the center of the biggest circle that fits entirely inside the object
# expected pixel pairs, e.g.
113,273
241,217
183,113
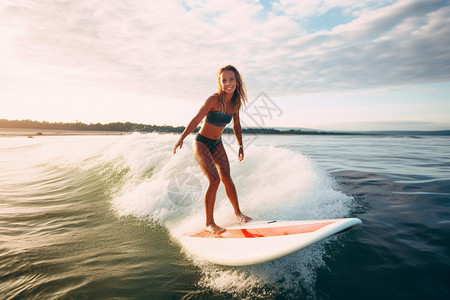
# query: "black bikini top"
218,118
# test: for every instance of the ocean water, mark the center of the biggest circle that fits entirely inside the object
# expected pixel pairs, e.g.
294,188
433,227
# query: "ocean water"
97,217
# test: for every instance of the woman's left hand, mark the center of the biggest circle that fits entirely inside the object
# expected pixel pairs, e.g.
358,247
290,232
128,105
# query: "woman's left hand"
241,154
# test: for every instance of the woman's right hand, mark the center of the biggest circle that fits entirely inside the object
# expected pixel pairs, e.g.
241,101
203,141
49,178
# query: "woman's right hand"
178,144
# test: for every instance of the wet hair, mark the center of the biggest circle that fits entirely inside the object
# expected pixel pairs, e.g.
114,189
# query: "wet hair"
240,93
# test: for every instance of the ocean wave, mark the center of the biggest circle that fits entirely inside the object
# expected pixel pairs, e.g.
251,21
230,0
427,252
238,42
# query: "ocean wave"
145,180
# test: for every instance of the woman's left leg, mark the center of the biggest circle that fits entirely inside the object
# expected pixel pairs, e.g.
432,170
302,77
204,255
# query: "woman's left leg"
223,166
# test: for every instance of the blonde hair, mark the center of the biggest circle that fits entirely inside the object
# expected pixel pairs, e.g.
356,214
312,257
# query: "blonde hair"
240,93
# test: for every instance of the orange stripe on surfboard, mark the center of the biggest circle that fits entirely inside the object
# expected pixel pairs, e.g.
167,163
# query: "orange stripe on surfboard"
263,232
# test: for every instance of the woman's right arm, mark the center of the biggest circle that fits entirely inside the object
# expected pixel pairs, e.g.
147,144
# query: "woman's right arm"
207,106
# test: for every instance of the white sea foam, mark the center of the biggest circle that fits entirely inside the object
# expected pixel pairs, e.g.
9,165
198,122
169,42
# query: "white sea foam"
272,183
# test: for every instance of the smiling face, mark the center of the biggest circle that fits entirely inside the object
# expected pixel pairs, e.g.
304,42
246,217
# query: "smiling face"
230,87
228,81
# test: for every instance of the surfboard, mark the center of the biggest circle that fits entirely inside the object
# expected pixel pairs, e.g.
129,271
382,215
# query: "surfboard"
261,241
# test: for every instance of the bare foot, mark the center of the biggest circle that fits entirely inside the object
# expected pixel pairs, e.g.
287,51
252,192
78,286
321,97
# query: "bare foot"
214,229
243,218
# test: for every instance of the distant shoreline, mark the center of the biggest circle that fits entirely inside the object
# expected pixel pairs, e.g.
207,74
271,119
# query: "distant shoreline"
36,128
128,127
35,132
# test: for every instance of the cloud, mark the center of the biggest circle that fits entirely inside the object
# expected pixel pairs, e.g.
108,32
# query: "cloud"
302,9
388,46
175,47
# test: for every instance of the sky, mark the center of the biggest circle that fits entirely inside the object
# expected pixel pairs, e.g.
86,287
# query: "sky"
322,64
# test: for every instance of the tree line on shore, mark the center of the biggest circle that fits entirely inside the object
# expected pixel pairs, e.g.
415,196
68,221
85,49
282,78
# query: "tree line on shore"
135,127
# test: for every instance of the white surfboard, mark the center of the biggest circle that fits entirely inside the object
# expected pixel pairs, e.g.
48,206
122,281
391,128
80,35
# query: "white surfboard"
261,241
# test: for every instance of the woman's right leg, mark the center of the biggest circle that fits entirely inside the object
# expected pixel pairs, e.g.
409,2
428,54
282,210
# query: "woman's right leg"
206,163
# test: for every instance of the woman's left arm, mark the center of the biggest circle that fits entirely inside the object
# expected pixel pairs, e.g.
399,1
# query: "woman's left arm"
238,133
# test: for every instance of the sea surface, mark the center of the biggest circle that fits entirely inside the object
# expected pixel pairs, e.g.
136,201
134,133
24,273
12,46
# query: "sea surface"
97,217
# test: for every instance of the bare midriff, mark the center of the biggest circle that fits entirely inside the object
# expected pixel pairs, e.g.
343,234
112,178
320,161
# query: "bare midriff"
211,131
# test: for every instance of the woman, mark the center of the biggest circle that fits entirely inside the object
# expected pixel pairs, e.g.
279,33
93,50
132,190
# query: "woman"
209,151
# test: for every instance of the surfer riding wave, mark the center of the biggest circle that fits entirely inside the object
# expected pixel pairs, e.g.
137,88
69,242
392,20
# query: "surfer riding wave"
218,110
